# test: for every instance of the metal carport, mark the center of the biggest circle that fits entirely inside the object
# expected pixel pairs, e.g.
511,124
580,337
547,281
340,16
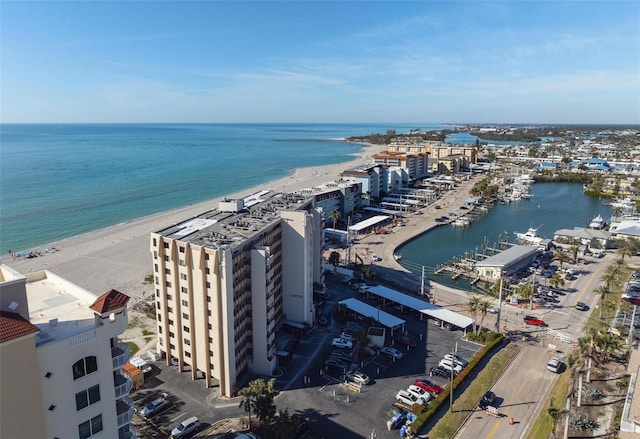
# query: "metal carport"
422,306
384,318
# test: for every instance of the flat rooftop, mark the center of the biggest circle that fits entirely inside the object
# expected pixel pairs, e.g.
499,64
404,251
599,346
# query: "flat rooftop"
59,308
226,228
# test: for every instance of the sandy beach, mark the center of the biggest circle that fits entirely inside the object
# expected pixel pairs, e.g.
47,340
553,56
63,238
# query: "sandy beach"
119,257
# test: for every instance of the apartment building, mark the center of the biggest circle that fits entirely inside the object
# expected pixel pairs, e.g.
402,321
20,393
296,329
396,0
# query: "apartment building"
226,280
343,196
62,373
373,180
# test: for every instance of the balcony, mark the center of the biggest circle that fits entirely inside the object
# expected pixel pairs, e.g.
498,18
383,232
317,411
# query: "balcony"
122,385
124,410
120,355
127,432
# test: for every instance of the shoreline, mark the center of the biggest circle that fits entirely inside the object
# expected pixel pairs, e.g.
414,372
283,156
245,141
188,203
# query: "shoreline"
119,257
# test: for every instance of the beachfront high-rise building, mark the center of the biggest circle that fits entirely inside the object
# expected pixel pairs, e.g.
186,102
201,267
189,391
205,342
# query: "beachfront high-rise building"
62,363
226,280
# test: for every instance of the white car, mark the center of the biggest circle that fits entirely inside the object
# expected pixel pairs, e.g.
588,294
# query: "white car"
407,398
186,427
391,352
358,378
342,343
420,393
448,364
457,358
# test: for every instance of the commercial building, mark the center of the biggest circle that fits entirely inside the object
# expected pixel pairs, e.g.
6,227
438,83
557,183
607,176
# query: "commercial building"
62,373
507,262
227,279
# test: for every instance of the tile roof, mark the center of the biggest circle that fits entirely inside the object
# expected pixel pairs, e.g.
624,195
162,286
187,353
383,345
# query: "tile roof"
13,325
109,301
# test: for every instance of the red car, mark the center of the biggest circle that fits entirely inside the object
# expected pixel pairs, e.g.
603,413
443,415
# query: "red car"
428,386
532,320
406,341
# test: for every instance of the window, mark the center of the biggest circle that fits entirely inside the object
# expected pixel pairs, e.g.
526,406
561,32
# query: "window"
185,303
155,254
184,290
87,397
167,284
90,427
181,249
166,258
210,340
185,329
171,334
208,271
185,316
167,271
84,367
181,262
166,245
187,354
187,342
155,267
155,242
183,276
208,299
209,313
208,284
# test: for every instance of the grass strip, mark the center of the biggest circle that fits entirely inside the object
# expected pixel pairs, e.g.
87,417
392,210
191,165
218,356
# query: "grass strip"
449,423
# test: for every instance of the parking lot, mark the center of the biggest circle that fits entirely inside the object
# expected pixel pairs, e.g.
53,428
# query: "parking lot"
337,411
332,409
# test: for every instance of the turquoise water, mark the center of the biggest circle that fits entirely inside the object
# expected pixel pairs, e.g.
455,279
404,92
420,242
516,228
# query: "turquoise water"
58,181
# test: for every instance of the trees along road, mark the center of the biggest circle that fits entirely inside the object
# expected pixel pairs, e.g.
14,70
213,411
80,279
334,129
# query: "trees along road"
524,387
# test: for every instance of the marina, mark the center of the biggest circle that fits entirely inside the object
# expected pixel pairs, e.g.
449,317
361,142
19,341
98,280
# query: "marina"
556,206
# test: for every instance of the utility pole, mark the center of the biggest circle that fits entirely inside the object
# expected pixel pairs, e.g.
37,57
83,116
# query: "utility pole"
348,241
499,307
422,283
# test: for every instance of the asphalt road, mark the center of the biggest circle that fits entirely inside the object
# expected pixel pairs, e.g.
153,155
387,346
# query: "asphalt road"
525,386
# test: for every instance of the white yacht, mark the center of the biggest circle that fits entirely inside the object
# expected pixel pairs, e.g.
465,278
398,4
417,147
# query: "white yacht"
530,236
598,223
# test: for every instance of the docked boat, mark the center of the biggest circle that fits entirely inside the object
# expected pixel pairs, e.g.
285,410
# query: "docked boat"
598,223
530,236
397,256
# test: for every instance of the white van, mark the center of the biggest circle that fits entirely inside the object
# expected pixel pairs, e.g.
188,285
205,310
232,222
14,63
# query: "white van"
141,364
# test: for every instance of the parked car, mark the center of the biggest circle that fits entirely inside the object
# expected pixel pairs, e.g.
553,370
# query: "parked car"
391,352
156,406
487,399
581,306
342,354
420,393
457,358
335,362
533,320
186,427
407,398
406,341
358,377
554,365
342,343
427,385
449,364
437,371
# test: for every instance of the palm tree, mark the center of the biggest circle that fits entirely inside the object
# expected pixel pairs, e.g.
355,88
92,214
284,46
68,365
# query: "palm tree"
472,307
574,252
248,400
334,259
335,217
623,249
259,395
483,307
603,291
556,414
556,280
526,292
561,257
265,408
285,426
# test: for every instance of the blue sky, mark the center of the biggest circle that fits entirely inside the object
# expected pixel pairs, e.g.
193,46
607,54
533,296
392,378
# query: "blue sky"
332,61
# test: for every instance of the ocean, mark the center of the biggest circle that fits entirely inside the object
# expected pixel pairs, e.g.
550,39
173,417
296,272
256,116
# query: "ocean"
62,180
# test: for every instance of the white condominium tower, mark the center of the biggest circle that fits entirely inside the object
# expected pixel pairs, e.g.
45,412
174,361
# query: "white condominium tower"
62,363
227,279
